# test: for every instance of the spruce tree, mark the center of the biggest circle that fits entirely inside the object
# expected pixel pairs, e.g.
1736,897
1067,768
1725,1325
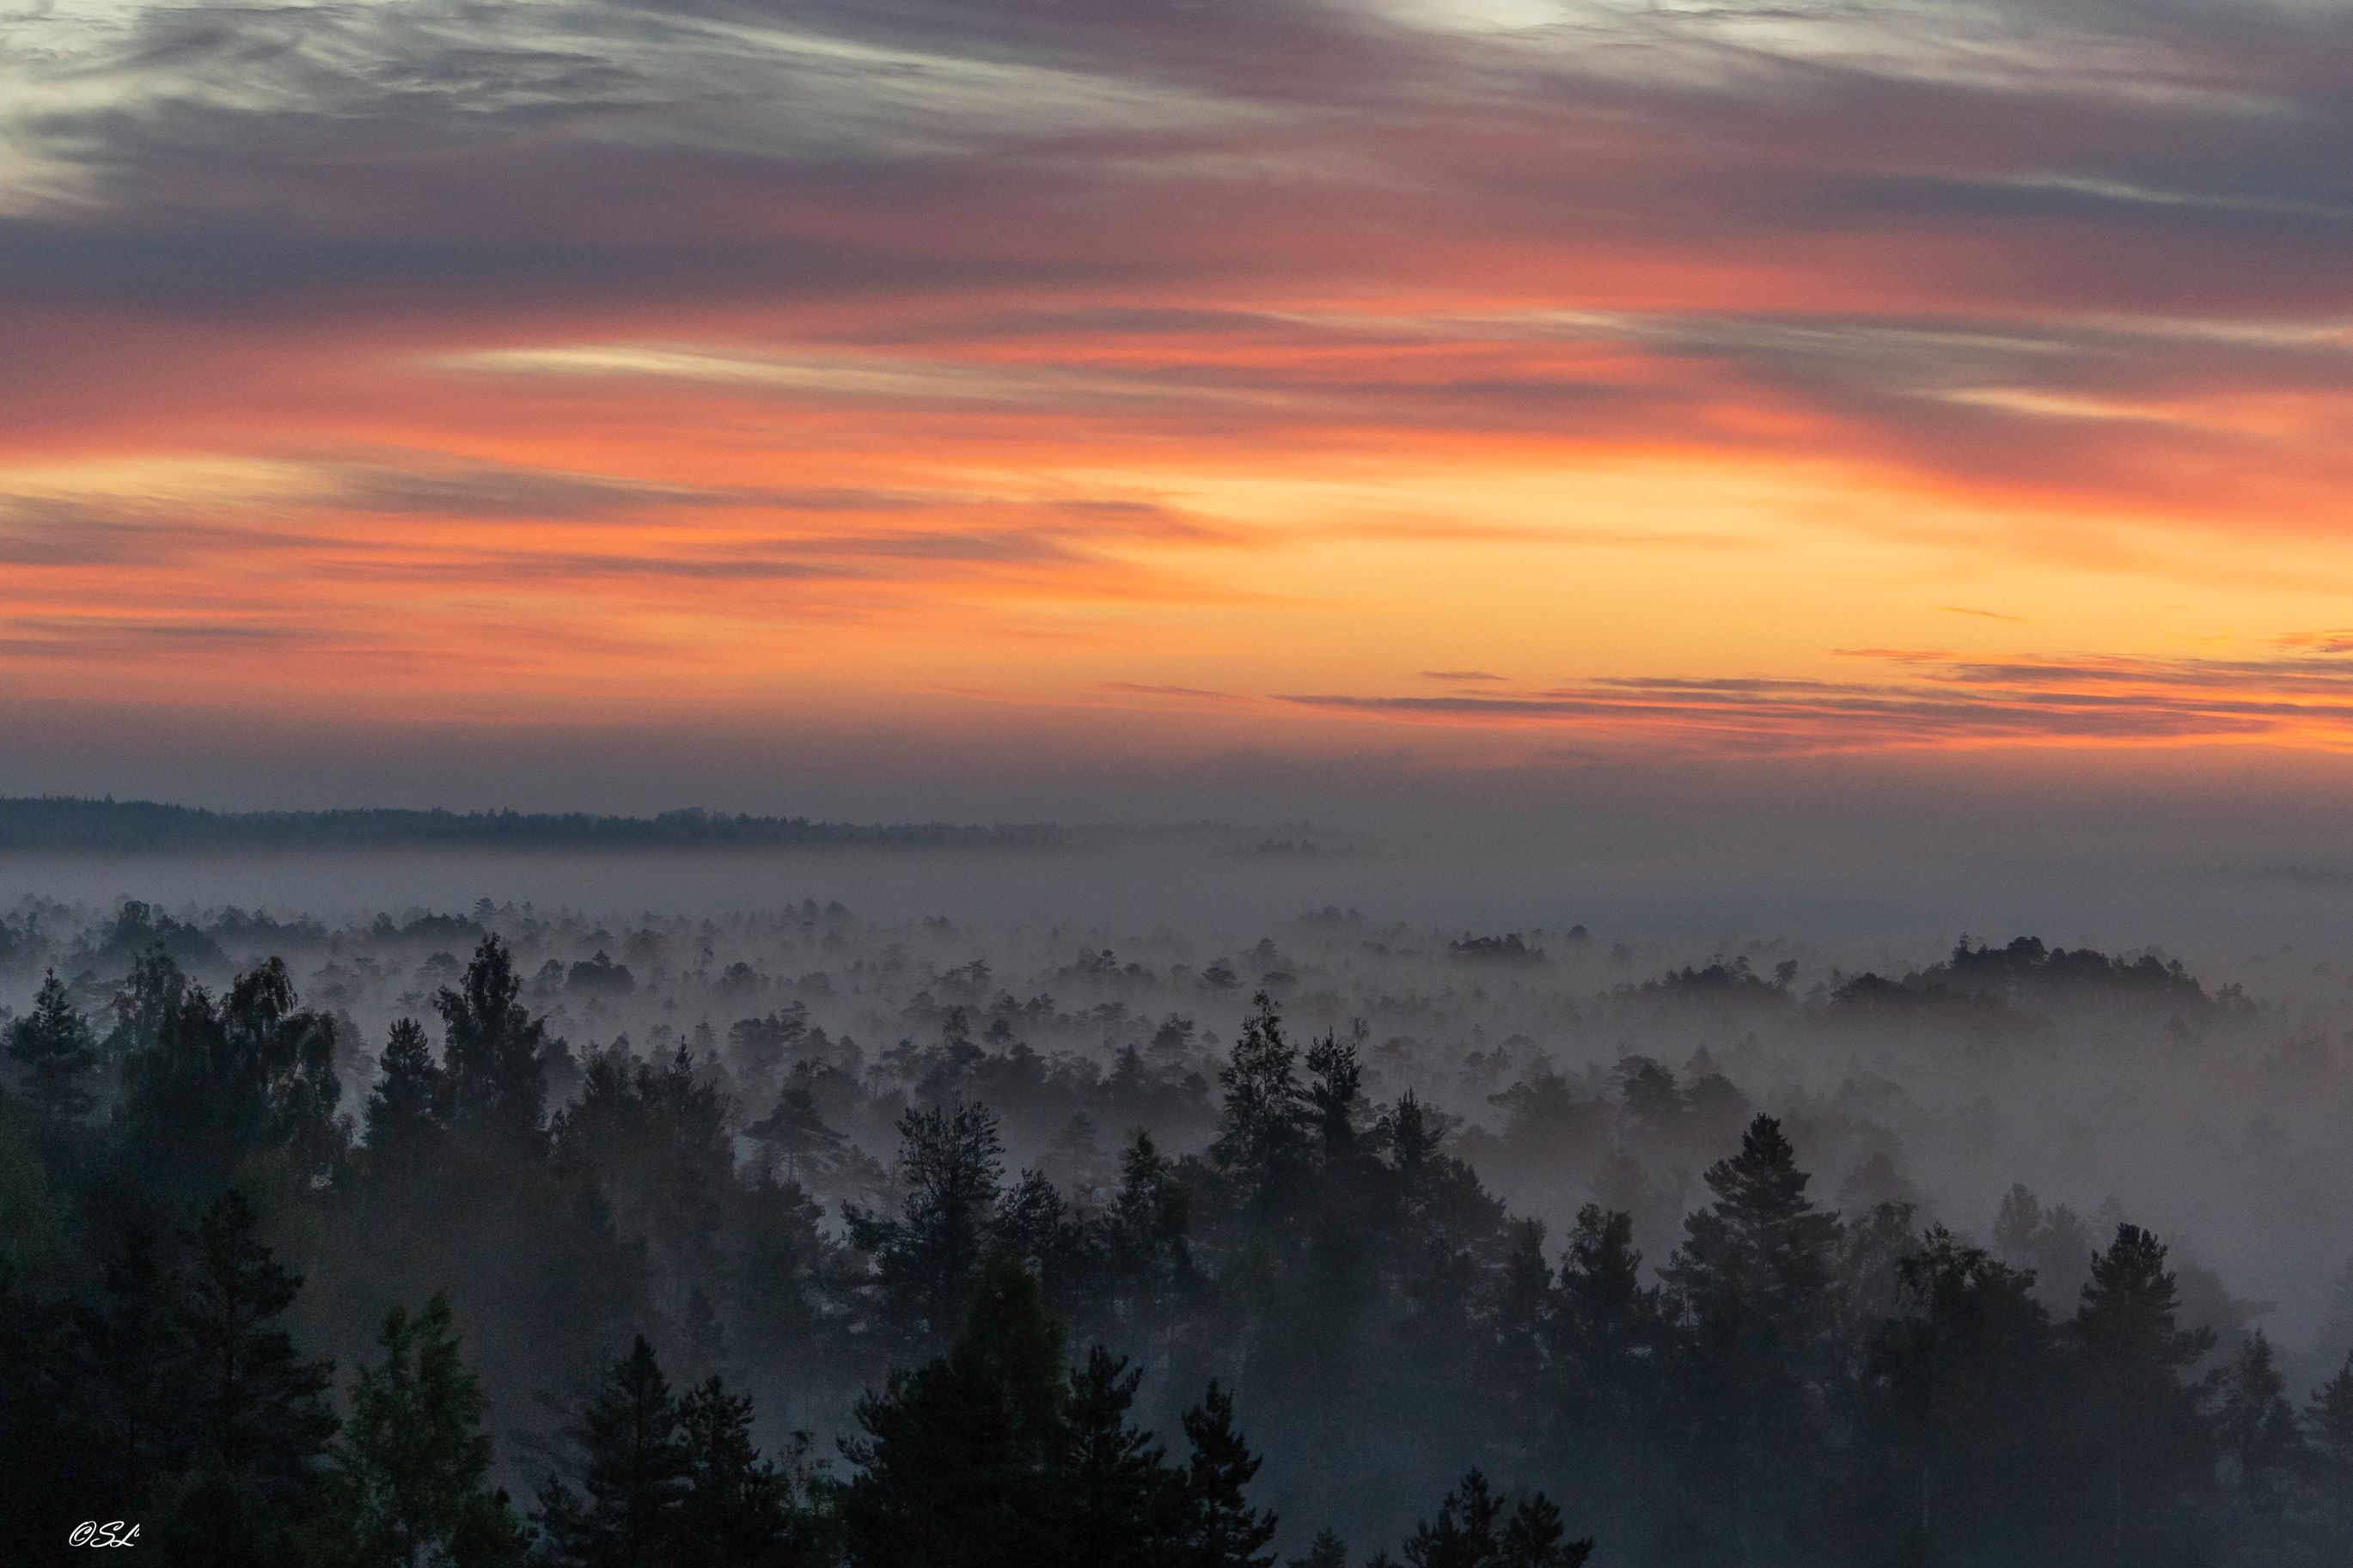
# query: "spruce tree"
631,1465
1120,1500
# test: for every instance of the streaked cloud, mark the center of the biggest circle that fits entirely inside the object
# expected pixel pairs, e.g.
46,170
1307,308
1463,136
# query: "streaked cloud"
1942,700
601,353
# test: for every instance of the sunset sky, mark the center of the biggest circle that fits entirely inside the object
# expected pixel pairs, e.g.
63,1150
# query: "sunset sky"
1484,383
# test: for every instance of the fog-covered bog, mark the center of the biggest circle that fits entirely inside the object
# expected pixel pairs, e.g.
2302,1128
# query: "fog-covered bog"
1373,1173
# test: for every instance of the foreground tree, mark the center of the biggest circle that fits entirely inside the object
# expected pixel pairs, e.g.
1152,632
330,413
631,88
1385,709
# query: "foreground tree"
2328,1429
997,1455
1751,1284
1225,1532
414,1461
259,1417
740,1509
958,1466
2148,1432
632,1470
1475,1529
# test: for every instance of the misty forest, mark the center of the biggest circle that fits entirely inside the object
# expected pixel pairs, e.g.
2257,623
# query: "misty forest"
510,1234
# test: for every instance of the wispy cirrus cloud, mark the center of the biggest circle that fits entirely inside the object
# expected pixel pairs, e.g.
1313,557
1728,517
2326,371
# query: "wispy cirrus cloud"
867,341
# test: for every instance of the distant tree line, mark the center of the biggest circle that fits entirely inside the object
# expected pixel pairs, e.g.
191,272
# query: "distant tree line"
68,822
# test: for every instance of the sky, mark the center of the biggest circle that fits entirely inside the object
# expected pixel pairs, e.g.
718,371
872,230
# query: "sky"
1110,408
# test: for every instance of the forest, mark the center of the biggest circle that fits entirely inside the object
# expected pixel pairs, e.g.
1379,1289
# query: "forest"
515,1236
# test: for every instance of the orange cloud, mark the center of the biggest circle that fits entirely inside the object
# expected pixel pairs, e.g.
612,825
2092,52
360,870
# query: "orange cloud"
830,366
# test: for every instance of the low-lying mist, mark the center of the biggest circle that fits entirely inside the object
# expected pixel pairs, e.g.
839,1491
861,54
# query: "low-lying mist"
1576,1031
2207,1107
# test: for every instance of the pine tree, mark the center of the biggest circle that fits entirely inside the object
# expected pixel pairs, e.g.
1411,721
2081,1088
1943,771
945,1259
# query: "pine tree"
2132,1358
2256,1429
704,1335
1463,1533
50,1469
258,1418
1336,1079
1762,1251
1963,1374
58,1052
631,1465
1474,1530
1751,1282
960,1459
1225,1532
796,1129
1120,1493
190,1112
1146,1231
950,1163
2328,1429
131,1389
1327,1551
1263,1132
407,1107
413,1459
738,1511
1606,1324
494,1051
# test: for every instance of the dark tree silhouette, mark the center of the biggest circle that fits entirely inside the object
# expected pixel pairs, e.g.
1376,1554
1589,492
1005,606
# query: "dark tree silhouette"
495,1050
259,1421
2132,1358
57,1050
632,1470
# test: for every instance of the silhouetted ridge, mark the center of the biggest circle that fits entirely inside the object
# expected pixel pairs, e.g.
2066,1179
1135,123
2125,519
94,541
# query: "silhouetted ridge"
66,822
2027,971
